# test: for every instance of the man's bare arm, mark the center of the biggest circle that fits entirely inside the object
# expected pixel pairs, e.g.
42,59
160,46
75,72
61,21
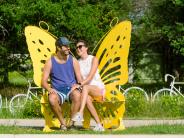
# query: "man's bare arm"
45,76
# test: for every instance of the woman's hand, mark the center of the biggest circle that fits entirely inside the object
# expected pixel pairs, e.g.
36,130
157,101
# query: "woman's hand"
76,86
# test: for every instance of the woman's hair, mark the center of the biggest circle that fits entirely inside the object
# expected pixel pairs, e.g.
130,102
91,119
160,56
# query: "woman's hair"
83,41
85,44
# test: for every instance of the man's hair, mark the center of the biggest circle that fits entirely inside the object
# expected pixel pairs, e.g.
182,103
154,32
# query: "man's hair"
57,43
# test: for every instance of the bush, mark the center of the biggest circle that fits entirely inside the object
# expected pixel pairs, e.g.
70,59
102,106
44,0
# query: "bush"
166,107
172,106
32,109
135,104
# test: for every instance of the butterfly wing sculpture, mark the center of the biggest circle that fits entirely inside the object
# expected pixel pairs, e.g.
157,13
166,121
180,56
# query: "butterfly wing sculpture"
113,58
41,45
113,66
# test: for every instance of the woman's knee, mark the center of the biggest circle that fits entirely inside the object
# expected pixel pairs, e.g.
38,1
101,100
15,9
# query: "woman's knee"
85,90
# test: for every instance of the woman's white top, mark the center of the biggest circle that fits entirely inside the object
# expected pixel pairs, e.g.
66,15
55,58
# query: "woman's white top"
85,67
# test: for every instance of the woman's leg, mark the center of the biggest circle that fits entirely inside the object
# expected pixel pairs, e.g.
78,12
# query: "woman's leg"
92,109
88,90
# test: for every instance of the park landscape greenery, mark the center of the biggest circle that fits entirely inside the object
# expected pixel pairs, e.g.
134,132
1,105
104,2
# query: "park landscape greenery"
157,25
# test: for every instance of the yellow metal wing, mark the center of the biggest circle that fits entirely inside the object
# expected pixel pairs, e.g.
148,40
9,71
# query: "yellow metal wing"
113,58
41,46
113,66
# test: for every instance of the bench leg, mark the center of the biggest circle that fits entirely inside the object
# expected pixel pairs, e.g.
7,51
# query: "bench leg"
47,129
87,118
49,120
121,125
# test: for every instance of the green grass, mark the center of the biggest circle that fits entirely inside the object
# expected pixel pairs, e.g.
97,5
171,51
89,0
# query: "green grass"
155,129
17,79
6,114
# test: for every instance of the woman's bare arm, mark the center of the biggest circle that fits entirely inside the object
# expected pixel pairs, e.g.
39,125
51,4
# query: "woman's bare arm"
92,72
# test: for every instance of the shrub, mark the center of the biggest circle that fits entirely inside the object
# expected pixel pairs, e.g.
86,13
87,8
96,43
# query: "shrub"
32,109
165,107
136,104
172,106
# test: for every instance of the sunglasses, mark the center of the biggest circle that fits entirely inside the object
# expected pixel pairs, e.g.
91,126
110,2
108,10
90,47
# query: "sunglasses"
80,46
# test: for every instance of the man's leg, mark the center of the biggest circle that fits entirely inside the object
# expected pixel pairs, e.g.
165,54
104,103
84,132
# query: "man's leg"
54,102
75,97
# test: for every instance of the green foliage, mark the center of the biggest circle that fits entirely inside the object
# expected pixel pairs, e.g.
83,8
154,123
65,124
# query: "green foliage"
32,109
11,90
75,19
160,28
172,106
135,104
166,107
6,114
178,2
169,21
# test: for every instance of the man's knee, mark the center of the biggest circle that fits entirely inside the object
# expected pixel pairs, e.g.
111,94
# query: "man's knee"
75,96
53,99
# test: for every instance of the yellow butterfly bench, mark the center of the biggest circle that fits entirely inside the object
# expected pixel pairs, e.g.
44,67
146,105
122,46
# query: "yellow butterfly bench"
113,67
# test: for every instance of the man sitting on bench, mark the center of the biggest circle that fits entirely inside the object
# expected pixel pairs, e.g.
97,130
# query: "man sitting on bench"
62,69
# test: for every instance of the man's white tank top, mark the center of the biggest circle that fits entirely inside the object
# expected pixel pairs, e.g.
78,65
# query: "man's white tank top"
85,67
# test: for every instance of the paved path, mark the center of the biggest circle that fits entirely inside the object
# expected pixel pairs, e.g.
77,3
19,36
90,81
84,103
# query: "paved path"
127,123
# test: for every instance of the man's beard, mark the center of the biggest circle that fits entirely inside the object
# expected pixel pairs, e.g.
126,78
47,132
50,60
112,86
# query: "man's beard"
66,52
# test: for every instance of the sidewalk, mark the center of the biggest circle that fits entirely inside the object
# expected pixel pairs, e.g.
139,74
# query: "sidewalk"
127,122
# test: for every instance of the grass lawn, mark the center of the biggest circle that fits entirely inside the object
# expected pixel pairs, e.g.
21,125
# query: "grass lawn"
155,129
17,79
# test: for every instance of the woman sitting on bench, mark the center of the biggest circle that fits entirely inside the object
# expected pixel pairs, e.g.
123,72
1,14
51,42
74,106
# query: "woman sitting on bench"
91,85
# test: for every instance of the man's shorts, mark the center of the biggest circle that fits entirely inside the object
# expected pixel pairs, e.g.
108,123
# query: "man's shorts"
64,93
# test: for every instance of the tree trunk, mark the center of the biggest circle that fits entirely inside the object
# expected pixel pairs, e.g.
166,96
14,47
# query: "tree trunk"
5,76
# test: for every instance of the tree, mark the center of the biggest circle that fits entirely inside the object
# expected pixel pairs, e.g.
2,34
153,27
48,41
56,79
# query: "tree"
164,20
76,19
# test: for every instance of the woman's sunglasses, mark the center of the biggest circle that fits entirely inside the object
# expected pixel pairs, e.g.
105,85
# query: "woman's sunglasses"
80,46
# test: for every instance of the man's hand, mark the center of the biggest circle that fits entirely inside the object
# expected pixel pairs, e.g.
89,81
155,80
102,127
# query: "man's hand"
75,86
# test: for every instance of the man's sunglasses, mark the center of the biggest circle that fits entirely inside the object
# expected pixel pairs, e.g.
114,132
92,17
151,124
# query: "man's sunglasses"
80,46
